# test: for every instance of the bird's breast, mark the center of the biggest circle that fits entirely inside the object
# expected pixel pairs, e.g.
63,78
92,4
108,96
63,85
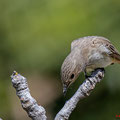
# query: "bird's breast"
98,60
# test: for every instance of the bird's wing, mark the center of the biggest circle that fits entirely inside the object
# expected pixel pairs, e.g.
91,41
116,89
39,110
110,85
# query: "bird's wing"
113,52
84,41
97,40
74,44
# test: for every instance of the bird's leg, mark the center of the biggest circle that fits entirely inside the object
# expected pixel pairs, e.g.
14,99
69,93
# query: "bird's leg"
93,73
85,73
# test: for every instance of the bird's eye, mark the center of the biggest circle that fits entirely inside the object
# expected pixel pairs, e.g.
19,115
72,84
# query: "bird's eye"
72,76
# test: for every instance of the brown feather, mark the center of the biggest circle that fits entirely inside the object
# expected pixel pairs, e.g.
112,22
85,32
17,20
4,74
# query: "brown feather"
114,53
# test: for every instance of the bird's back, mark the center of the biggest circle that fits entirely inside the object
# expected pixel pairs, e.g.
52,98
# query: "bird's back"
95,50
88,41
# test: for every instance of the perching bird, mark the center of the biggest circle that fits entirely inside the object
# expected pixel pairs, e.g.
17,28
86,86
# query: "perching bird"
87,54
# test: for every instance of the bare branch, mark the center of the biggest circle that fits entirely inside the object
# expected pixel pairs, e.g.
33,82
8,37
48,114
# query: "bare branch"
38,112
83,91
29,104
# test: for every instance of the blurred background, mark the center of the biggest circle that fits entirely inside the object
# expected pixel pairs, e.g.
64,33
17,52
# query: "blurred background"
35,38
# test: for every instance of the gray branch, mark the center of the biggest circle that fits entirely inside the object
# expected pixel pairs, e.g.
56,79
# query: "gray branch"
83,91
29,104
38,112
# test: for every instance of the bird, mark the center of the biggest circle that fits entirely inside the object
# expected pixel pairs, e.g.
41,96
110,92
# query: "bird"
87,54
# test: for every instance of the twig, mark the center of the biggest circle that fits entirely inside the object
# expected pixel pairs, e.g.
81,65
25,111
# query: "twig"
29,104
38,112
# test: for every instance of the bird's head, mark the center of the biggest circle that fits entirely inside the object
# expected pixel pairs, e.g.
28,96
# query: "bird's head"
69,71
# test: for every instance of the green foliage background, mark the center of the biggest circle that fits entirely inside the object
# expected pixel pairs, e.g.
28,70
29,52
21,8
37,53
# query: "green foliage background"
36,36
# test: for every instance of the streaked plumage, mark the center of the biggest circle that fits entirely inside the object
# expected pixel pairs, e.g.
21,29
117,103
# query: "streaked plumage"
87,54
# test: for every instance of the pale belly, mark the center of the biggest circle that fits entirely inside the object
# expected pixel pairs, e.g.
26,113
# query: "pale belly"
98,60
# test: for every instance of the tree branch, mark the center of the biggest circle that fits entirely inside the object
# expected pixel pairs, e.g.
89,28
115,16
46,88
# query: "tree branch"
38,112
29,104
83,91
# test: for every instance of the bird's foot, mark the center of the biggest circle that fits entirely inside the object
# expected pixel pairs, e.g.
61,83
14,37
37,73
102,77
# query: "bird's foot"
93,73
87,76
96,71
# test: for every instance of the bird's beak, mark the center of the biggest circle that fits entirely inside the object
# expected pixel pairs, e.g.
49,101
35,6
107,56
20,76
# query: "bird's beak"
65,87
